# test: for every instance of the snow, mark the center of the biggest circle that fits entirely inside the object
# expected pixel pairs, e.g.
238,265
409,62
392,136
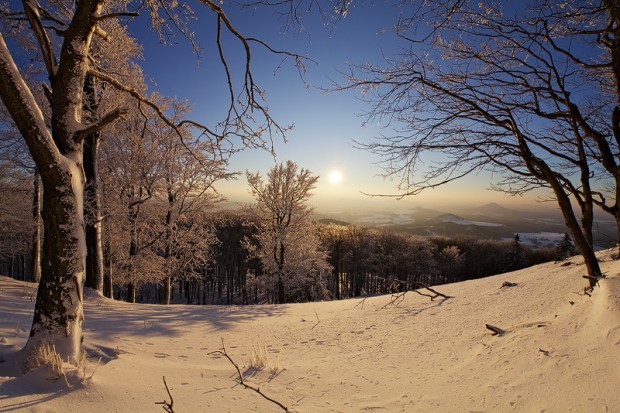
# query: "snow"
561,351
533,239
460,221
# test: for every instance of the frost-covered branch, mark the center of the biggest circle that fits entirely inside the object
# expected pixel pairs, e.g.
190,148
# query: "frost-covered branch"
34,18
139,97
107,119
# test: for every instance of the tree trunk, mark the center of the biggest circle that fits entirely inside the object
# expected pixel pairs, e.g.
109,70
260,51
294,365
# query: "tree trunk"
36,236
133,250
131,292
107,275
617,216
580,235
165,293
164,297
94,257
281,295
58,311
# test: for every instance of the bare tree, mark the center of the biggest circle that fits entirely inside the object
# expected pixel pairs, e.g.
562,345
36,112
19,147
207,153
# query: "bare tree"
66,53
131,176
528,93
288,245
189,169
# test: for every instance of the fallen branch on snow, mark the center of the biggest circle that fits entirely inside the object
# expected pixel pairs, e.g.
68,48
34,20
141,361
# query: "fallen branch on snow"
496,330
165,405
224,353
508,284
361,303
398,297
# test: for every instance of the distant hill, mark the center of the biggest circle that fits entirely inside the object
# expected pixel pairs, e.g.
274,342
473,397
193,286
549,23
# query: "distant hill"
492,209
332,221
486,221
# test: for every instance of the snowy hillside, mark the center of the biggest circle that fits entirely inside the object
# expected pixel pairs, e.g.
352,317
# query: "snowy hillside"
560,351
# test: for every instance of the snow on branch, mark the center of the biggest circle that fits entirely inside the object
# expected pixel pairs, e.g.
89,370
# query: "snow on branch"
34,18
100,124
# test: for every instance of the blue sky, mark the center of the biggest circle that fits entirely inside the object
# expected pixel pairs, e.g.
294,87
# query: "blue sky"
325,124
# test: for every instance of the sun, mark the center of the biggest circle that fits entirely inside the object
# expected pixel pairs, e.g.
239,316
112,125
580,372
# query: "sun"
335,176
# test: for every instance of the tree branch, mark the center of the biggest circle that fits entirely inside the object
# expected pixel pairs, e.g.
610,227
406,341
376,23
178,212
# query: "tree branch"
107,119
34,18
165,405
136,95
224,353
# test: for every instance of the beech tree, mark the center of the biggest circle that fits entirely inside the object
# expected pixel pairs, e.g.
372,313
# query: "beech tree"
66,53
288,244
527,92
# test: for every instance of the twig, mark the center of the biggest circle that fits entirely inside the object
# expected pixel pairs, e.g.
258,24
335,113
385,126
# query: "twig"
437,293
508,284
318,320
224,353
165,405
396,298
362,302
496,330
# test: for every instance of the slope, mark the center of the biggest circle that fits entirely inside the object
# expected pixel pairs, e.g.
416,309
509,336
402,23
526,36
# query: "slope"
560,352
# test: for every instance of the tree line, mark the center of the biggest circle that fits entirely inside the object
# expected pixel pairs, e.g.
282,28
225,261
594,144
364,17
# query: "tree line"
270,252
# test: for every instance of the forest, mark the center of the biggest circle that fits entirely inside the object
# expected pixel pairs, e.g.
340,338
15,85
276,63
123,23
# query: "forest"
215,254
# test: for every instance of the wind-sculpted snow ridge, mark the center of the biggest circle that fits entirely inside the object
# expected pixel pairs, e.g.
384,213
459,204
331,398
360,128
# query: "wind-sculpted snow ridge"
560,351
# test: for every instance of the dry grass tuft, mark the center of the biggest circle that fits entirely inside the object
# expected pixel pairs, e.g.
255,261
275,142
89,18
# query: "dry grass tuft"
46,355
258,356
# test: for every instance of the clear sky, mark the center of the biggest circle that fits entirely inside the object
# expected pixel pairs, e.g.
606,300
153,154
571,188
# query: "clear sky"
325,124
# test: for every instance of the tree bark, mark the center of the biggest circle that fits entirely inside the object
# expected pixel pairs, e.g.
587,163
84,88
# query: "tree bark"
36,235
94,256
165,293
94,222
107,275
58,311
131,292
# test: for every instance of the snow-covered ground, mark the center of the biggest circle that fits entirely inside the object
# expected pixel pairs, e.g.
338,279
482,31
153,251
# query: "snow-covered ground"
560,352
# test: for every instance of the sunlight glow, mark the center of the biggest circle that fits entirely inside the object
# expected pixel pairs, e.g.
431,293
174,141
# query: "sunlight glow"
335,176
